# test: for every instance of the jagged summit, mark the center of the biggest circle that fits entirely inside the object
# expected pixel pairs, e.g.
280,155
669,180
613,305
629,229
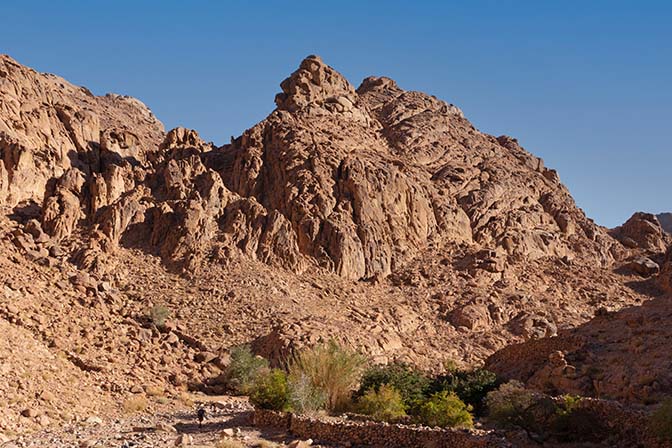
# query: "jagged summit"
314,82
357,182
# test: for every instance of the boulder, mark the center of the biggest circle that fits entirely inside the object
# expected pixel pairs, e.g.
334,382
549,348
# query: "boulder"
644,266
643,231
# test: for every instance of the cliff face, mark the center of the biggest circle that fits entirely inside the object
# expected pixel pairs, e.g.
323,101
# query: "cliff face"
49,126
370,177
357,182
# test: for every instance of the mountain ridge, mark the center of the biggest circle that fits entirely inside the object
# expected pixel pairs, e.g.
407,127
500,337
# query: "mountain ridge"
373,215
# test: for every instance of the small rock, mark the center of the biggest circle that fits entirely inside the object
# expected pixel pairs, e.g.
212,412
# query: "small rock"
165,427
228,432
184,440
43,420
300,443
644,266
56,252
47,396
93,420
30,413
204,357
172,338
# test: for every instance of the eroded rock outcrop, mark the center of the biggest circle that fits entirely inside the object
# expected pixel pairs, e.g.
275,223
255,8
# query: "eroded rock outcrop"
665,220
643,231
368,178
49,126
356,181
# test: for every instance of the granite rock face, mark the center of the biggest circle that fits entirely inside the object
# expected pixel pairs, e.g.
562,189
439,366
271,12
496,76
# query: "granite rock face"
49,126
355,181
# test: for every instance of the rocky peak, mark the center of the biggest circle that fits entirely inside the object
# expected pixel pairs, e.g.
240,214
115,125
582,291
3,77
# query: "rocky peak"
643,231
182,137
48,126
356,182
314,83
665,220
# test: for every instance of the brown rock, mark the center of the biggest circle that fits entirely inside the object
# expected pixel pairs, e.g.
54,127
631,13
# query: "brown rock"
643,231
644,266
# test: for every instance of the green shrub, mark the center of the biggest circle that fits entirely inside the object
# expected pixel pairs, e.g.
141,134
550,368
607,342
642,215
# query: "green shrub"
158,314
242,370
270,390
445,409
384,404
471,386
411,383
304,397
660,421
331,369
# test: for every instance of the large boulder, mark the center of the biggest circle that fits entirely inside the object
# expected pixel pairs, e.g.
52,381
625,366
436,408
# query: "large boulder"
642,231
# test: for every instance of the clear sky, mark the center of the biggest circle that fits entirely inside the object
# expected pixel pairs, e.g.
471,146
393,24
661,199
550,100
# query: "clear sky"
586,85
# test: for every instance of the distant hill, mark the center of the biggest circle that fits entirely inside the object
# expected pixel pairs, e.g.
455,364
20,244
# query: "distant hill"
665,221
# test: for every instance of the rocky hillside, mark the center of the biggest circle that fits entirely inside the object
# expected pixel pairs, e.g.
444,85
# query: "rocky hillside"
356,182
665,220
619,355
374,215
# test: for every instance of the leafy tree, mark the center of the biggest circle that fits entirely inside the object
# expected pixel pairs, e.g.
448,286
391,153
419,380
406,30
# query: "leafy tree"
411,383
471,386
243,368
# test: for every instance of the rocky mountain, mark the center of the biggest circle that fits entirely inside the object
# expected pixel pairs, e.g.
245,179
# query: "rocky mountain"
665,220
374,215
356,182
589,359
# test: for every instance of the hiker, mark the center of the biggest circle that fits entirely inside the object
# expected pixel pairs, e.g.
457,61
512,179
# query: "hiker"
201,416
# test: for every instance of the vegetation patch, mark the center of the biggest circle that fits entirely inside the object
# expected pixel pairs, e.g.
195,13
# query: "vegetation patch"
243,369
384,404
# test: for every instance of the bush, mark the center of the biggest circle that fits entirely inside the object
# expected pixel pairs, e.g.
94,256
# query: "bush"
411,383
513,406
155,391
229,443
384,404
304,398
270,390
660,421
331,369
242,370
135,404
471,386
445,409
158,314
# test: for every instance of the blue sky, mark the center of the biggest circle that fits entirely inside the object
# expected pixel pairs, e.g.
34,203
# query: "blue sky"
586,85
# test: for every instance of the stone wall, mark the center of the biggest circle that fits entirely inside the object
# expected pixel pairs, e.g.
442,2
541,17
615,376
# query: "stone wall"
376,434
622,426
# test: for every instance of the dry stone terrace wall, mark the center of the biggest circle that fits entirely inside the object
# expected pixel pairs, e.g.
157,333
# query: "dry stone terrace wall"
375,434
624,427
